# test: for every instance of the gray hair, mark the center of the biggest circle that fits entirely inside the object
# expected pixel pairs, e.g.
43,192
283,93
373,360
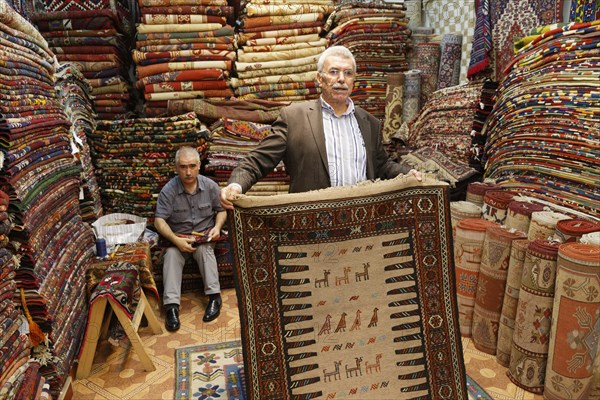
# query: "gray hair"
335,51
187,150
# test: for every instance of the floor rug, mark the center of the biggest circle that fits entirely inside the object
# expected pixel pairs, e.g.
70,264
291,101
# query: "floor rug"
349,293
209,371
476,392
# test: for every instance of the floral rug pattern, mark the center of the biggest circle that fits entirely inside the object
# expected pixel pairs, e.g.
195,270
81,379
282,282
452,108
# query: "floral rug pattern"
203,371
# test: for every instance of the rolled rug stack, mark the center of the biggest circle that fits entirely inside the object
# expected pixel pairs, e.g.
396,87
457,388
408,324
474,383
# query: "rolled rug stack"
543,224
495,205
573,358
519,214
491,286
510,301
470,235
531,335
571,230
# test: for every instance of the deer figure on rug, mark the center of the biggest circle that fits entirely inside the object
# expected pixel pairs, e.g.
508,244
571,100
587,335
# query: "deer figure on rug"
324,280
341,327
335,373
354,371
356,323
374,318
326,326
369,367
343,279
365,274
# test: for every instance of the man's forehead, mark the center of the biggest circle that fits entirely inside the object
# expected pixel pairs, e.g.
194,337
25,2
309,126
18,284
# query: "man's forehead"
187,161
335,61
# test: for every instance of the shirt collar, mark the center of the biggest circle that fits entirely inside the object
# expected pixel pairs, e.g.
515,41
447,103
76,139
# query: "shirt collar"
349,110
181,189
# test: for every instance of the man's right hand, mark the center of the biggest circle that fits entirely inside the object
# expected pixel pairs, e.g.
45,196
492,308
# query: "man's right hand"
184,244
228,194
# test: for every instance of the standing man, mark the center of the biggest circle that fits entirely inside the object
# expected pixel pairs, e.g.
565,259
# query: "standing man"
189,203
323,143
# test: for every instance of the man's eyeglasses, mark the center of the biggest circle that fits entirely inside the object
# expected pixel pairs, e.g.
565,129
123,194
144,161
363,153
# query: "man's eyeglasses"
334,73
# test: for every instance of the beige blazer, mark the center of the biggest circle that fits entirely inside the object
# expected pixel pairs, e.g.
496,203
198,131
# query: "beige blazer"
299,141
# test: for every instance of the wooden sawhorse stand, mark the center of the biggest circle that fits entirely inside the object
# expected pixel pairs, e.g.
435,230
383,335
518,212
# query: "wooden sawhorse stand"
96,319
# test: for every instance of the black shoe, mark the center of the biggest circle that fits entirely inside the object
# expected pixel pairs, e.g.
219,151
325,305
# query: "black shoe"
213,309
172,317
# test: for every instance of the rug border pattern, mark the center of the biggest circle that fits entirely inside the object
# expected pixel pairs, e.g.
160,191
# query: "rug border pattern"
244,281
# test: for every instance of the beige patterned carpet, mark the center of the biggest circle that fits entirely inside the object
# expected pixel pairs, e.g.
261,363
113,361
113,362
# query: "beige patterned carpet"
117,374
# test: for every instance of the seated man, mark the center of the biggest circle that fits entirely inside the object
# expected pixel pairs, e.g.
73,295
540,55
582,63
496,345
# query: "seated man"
189,203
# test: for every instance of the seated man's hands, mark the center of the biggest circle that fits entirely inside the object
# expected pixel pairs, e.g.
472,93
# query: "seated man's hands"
228,194
214,234
184,244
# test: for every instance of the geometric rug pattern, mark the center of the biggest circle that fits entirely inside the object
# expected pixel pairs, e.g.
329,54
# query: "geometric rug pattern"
202,371
345,293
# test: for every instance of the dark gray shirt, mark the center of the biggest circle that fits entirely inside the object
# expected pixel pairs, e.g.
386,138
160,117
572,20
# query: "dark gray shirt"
185,212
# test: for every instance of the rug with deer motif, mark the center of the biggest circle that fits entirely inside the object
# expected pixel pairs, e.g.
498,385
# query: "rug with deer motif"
349,293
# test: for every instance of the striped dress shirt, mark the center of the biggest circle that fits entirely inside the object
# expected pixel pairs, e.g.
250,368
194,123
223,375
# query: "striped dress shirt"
346,152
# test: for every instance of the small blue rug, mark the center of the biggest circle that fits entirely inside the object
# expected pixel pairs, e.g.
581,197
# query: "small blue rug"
235,382
475,391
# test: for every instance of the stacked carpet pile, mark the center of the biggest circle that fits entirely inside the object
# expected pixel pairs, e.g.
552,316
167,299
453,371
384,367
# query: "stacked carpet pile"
134,158
426,159
377,35
75,93
42,178
230,142
210,111
278,46
18,373
95,36
478,138
498,23
184,50
543,133
446,120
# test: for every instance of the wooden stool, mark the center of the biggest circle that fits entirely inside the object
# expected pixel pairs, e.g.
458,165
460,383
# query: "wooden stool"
97,319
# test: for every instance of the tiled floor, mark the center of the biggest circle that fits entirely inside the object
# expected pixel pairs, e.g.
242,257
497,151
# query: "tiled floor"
119,375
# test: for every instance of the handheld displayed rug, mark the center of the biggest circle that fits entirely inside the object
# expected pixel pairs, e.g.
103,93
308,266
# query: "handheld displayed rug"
349,292
209,371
